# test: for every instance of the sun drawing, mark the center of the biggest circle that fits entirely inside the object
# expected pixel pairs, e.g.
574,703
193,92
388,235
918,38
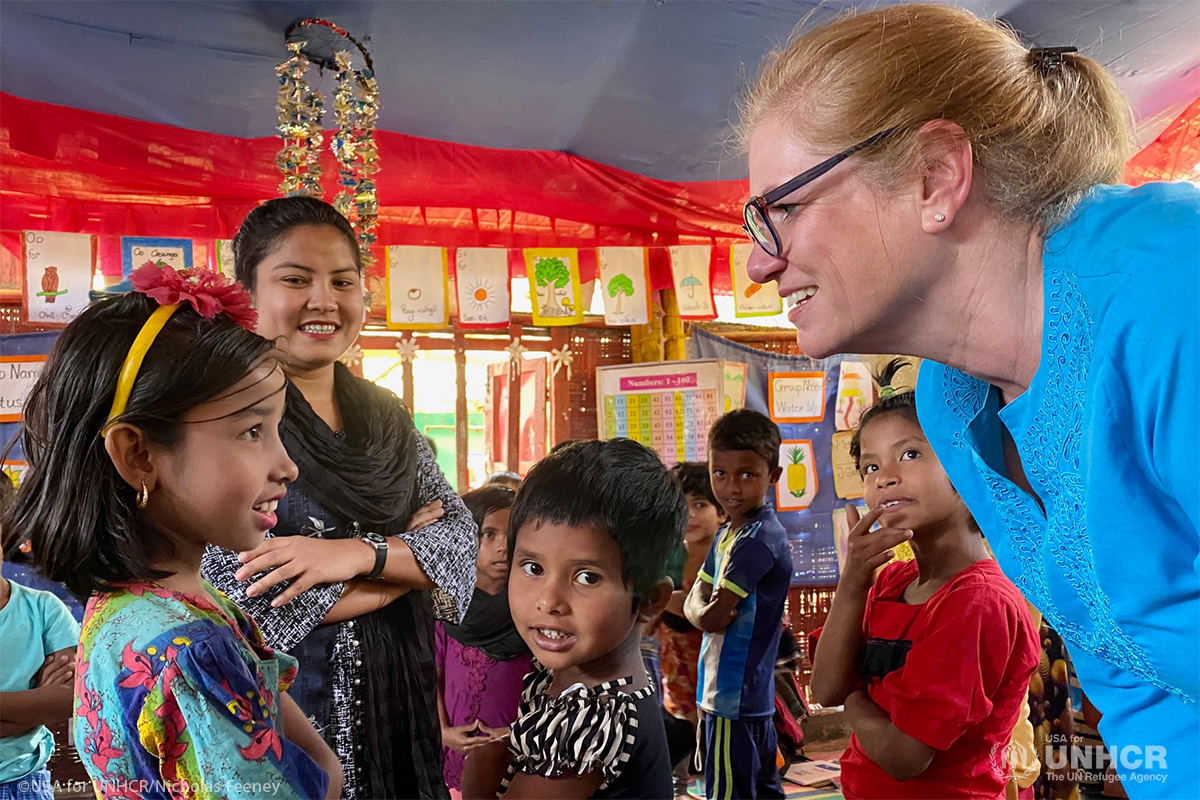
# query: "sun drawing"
479,292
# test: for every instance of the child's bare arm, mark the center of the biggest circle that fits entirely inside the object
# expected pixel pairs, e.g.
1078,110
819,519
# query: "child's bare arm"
697,601
565,787
44,705
678,599
362,597
300,731
836,663
715,613
14,728
898,754
48,702
483,770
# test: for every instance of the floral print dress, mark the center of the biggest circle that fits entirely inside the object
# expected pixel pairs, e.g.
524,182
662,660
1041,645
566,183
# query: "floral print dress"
178,697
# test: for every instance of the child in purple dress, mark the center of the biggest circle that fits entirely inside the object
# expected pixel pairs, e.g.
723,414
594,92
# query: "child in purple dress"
482,661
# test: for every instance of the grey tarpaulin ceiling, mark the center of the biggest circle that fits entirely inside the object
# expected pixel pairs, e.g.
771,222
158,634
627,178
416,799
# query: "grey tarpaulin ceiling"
642,85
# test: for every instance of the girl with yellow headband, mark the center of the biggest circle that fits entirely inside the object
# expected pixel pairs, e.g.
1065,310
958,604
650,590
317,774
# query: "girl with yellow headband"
152,433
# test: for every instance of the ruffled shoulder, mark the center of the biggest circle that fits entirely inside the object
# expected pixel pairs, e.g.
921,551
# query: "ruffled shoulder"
578,732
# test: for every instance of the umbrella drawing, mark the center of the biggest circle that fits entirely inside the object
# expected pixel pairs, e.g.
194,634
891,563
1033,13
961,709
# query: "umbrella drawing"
691,282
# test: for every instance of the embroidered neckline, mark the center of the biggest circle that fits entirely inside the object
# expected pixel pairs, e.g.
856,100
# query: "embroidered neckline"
1050,451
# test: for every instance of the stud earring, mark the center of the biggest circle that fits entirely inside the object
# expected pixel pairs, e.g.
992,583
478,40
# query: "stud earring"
939,217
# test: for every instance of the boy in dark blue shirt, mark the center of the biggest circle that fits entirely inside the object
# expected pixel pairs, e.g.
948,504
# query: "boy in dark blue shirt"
738,601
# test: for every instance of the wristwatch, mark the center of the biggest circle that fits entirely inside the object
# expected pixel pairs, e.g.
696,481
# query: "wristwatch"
380,545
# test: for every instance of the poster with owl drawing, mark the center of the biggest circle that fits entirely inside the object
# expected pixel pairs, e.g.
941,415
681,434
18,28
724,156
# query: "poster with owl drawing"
58,275
481,287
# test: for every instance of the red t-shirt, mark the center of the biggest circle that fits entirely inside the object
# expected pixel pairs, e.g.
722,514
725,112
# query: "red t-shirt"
951,673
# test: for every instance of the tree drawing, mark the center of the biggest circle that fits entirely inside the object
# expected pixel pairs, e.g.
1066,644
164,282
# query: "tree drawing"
620,287
553,274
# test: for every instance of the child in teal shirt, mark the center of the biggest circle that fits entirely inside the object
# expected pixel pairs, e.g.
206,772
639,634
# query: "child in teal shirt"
37,668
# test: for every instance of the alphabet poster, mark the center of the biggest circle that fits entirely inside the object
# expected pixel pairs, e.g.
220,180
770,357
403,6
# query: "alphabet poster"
625,284
136,251
751,299
692,279
481,287
417,287
554,285
58,275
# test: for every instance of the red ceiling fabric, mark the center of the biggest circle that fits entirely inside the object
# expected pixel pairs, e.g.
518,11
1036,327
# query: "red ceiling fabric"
1173,156
70,170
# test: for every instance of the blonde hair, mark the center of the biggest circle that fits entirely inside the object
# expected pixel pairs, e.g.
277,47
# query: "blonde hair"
1042,133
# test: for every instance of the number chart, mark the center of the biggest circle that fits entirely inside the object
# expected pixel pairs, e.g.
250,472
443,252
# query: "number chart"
667,406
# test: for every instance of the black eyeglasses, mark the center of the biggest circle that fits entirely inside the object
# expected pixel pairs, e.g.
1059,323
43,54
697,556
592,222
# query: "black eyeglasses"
757,222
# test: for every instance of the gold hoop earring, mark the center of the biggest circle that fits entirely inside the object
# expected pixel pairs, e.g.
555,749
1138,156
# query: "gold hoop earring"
143,497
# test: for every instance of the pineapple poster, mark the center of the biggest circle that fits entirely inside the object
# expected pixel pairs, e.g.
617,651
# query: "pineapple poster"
554,285
798,484
751,299
625,284
58,275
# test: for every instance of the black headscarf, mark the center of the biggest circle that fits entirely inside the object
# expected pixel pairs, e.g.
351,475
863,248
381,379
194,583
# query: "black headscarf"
369,476
488,625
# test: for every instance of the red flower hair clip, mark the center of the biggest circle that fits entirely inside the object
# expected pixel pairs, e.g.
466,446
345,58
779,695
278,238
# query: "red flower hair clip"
210,293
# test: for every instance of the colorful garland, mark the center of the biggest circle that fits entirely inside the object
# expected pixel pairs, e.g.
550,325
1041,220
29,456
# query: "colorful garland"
300,111
356,110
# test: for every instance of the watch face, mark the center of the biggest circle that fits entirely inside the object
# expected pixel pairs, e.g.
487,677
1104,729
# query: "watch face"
374,538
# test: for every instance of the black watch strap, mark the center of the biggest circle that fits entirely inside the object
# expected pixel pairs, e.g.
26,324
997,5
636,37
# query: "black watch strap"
381,548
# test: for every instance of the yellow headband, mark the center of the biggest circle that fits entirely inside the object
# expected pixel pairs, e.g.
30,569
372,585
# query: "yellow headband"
133,361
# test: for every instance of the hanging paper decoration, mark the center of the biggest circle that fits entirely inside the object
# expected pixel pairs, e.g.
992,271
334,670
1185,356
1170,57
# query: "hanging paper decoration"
625,284
554,285
798,485
735,385
796,396
560,359
407,348
58,275
225,258
352,357
847,482
516,353
751,299
418,286
856,391
481,287
356,109
137,251
300,111
18,374
693,285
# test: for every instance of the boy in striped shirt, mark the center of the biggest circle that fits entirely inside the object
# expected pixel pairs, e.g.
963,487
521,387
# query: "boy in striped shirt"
738,601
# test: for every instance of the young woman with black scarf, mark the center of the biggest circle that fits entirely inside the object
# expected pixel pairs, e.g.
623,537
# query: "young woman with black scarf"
346,583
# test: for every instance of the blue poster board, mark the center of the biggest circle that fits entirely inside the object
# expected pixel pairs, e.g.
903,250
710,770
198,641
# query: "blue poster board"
137,250
810,531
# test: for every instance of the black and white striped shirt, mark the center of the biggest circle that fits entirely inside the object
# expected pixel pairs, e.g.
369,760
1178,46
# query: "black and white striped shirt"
583,730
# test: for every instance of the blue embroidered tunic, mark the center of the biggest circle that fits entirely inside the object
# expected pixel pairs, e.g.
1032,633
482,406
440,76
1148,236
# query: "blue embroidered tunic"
1107,433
